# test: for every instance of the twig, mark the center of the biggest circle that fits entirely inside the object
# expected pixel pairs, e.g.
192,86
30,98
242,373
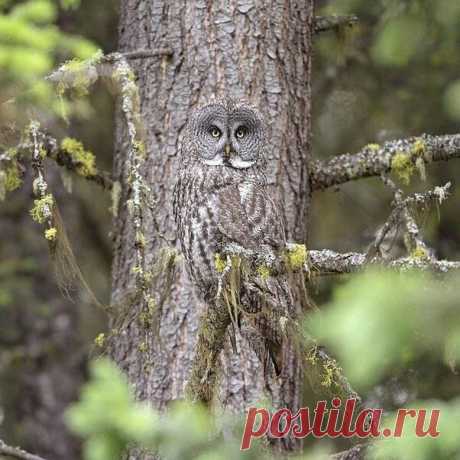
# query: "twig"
141,54
17,452
327,23
401,214
375,160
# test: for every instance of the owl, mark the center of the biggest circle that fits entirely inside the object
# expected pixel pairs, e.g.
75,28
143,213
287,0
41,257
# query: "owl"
222,199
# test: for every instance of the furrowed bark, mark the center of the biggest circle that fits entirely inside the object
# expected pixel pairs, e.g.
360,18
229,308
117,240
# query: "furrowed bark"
257,49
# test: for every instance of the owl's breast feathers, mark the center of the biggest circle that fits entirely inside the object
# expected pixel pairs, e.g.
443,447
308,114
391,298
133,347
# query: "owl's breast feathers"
214,207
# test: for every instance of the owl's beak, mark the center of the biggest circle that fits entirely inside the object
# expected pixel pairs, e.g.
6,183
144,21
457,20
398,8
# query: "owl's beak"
228,150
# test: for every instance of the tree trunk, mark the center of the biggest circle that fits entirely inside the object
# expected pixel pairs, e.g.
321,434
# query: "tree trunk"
256,49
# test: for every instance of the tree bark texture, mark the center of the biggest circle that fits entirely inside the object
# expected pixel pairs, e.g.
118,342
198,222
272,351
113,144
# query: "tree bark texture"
256,49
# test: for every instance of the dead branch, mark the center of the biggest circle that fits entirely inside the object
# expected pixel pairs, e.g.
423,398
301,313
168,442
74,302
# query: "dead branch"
327,23
399,156
16,452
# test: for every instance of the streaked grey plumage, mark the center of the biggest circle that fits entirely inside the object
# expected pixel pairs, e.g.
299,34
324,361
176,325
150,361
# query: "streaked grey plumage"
221,198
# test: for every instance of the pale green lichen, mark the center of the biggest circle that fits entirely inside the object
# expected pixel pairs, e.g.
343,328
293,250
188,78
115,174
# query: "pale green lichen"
140,147
42,208
402,166
77,75
331,371
140,239
419,253
143,347
116,195
373,147
419,148
85,160
12,177
296,256
100,340
219,263
137,270
418,152
147,316
51,233
263,271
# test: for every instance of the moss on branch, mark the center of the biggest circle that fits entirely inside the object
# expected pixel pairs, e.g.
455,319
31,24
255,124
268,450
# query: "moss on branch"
400,156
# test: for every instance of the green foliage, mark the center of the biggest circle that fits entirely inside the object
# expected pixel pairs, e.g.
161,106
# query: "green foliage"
381,324
30,45
408,51
398,41
382,321
108,418
409,447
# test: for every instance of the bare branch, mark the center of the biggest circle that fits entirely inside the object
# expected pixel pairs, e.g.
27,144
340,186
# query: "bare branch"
327,23
16,452
142,54
375,160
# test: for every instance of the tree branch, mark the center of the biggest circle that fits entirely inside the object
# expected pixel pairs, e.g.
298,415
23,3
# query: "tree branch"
64,158
327,262
142,54
355,453
400,156
17,452
327,23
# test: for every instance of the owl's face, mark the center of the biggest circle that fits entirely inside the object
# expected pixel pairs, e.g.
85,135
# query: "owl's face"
227,135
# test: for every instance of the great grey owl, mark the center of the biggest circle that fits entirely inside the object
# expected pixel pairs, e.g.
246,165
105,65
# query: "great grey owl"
222,199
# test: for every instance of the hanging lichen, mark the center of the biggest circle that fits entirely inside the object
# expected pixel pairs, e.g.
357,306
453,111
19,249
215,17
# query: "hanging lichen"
51,233
402,166
42,210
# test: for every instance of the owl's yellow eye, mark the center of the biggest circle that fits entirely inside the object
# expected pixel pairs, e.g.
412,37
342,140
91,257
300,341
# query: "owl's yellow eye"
215,132
240,132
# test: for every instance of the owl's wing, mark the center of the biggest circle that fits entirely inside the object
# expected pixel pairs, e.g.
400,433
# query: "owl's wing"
249,217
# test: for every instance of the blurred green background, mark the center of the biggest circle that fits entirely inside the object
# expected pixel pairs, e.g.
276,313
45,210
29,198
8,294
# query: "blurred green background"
394,74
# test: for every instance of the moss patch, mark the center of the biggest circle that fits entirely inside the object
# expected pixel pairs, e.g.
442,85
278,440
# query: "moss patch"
296,256
402,166
100,340
419,253
263,271
219,263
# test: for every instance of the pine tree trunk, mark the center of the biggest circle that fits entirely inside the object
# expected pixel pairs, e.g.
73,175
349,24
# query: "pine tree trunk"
257,49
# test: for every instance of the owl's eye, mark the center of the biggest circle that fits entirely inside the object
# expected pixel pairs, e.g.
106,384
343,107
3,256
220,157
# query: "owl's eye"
215,132
240,132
